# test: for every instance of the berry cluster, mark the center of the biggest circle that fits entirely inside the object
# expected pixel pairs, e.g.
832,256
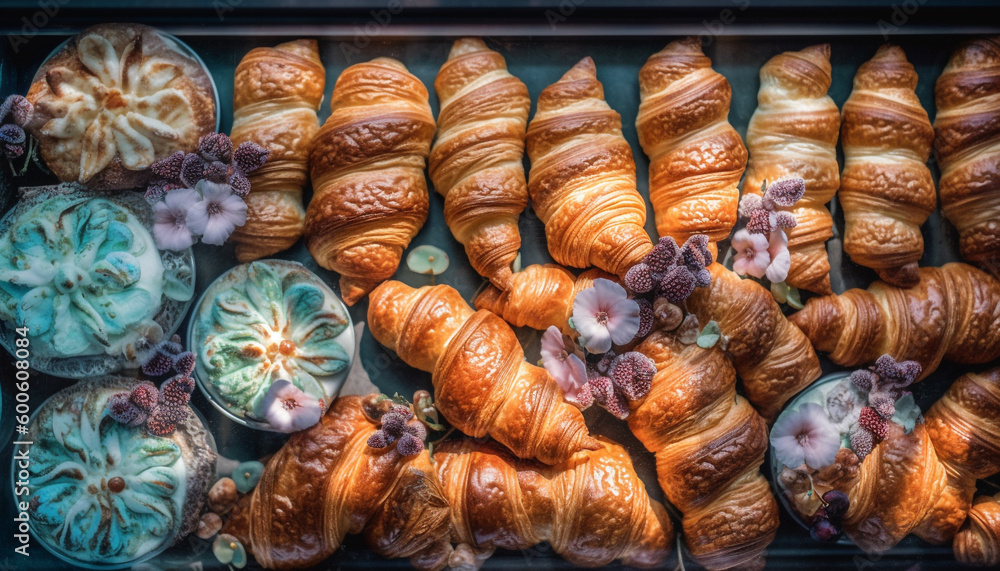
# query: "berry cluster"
614,380
12,137
215,161
159,410
399,428
670,271
885,383
827,519
763,212
168,356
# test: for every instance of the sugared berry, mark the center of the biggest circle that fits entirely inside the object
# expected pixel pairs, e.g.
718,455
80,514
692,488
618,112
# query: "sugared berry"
874,423
646,318
785,193
184,363
393,423
379,439
663,254
249,156
749,203
158,365
416,428
862,443
145,396
409,445
785,219
677,285
703,278
863,379
760,222
639,278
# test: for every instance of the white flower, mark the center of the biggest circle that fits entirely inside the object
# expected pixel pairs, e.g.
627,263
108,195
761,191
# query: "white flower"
781,260
288,409
603,314
562,360
805,436
751,254
217,214
170,226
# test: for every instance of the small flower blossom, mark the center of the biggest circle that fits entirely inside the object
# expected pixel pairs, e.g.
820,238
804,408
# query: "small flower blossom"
561,359
217,214
170,226
805,436
781,260
752,256
288,409
604,314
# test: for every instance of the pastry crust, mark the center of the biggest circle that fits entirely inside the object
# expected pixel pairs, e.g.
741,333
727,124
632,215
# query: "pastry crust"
114,100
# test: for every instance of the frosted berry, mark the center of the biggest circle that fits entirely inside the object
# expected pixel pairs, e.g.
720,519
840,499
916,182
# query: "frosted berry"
677,285
874,423
409,445
145,396
862,443
863,379
639,278
184,363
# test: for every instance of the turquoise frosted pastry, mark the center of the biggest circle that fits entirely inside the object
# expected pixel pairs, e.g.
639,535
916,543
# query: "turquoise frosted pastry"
82,273
105,493
267,331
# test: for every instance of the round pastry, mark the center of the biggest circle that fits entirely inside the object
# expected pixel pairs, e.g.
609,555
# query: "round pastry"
82,279
274,345
114,100
107,494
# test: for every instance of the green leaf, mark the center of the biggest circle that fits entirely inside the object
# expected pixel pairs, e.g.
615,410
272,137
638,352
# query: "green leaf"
707,341
780,292
571,324
711,328
794,300
907,412
400,399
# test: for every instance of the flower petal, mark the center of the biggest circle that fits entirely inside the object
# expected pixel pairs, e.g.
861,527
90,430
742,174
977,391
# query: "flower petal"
623,321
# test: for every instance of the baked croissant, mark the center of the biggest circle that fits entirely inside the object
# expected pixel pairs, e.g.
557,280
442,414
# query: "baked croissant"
968,147
772,357
367,166
539,296
709,445
326,482
886,189
277,93
953,313
923,482
696,158
482,383
475,162
793,133
582,178
592,508
978,542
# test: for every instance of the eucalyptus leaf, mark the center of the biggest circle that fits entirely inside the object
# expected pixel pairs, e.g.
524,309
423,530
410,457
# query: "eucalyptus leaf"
780,292
708,341
907,412
794,300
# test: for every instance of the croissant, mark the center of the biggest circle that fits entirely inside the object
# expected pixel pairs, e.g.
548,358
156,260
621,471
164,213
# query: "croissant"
475,162
772,357
978,542
968,147
276,95
326,482
696,158
591,508
886,191
793,133
482,383
582,178
923,482
709,445
367,167
539,296
953,313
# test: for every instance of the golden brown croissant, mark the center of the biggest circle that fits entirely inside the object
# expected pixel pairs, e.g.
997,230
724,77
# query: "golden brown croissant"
709,445
539,296
476,160
277,93
367,165
772,357
978,542
793,133
968,147
582,178
886,190
953,313
592,508
696,158
326,482
482,384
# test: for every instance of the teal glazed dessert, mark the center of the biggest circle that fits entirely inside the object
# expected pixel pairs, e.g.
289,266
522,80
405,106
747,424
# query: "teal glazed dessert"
81,272
106,494
274,345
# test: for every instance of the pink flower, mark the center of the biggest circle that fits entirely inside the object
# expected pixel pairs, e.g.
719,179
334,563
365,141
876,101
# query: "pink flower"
751,254
170,219
781,260
564,362
217,214
603,313
805,435
288,409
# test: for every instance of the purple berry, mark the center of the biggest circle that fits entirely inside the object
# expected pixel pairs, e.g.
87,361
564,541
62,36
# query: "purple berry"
145,396
409,445
217,172
184,363
703,278
170,167
379,439
639,278
785,219
760,222
677,285
249,156
824,530
862,443
393,423
836,504
748,204
863,379
192,170
416,428
646,318
785,193
240,185
663,254
216,147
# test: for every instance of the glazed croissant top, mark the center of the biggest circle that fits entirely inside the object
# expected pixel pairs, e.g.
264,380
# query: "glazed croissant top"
696,158
953,313
592,508
539,296
482,383
978,542
968,146
276,95
709,445
326,482
476,159
367,167
772,357
793,133
887,191
582,178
